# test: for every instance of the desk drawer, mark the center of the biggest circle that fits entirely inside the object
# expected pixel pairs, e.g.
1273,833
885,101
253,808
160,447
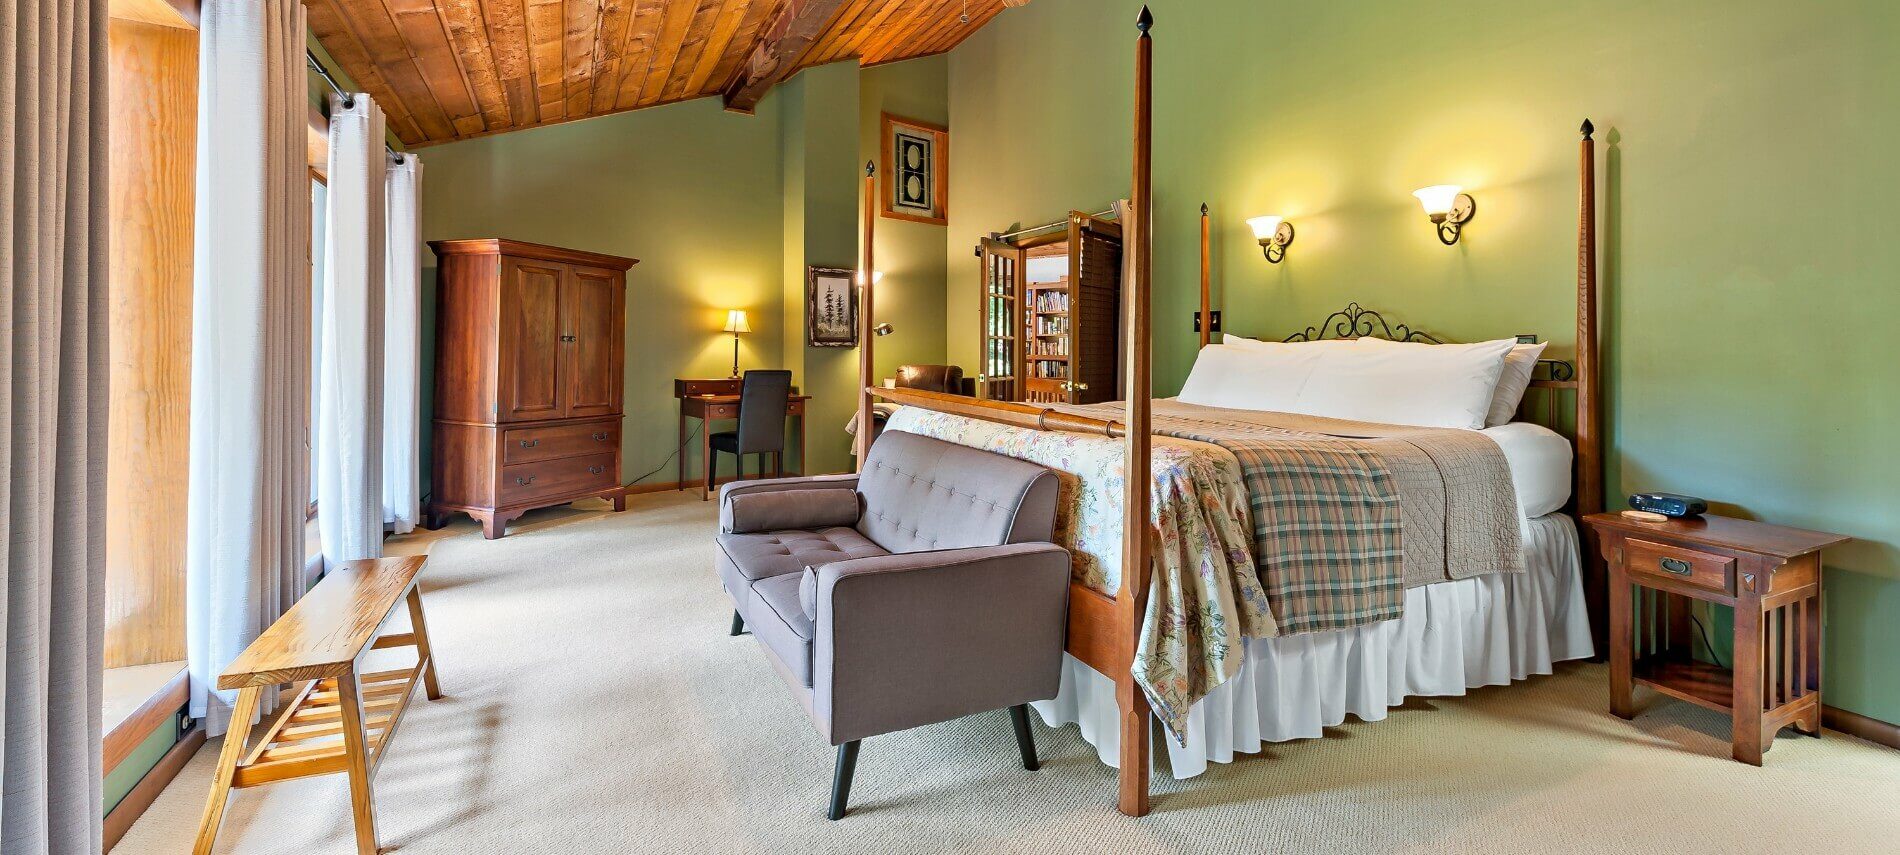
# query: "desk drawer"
692,388
526,445
1702,569
526,482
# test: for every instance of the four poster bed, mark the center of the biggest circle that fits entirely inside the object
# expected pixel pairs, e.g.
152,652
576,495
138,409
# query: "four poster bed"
1416,553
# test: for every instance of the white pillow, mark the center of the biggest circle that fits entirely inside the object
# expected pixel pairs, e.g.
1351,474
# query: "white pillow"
1428,385
1264,378
1512,382
1519,364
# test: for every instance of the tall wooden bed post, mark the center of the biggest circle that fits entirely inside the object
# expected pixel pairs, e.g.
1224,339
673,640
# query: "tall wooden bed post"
1206,317
1132,600
1589,476
867,259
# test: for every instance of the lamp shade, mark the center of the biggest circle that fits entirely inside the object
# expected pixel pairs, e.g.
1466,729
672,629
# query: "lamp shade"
736,323
1264,227
1438,198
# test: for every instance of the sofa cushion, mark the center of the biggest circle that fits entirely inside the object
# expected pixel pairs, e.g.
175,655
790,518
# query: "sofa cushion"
779,623
922,494
776,553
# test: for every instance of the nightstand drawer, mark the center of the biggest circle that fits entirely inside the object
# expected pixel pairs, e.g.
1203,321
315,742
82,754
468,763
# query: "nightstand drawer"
1688,566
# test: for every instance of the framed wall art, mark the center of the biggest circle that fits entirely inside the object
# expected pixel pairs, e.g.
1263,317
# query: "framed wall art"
916,164
831,307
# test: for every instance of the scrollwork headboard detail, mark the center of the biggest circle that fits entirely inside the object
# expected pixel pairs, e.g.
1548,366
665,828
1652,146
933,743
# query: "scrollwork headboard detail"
1356,321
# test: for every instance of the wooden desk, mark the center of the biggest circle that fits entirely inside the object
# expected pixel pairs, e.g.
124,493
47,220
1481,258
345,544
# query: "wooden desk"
708,400
1770,575
341,720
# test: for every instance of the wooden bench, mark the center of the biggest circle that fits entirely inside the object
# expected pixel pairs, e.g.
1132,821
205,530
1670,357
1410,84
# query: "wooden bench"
341,720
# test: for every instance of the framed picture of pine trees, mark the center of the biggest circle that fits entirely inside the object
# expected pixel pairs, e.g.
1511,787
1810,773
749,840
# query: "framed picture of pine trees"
831,308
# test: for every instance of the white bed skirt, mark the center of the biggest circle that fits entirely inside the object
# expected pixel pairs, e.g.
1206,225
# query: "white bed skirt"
1483,631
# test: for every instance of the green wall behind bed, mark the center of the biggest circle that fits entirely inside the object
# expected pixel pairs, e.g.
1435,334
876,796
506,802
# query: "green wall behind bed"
1749,198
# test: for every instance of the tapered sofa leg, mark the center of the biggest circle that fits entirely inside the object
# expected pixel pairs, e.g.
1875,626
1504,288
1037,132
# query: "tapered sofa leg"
841,778
738,623
1025,740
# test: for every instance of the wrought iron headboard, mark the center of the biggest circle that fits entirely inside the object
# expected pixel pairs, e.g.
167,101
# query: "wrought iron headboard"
1356,321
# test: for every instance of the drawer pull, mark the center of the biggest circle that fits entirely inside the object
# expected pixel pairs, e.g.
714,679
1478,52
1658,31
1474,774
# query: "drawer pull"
1677,566
530,443
600,436
596,470
524,481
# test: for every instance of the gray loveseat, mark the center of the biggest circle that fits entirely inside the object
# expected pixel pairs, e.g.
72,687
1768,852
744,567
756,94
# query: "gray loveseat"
923,589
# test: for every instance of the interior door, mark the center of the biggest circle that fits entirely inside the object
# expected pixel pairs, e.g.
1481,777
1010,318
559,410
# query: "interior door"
1001,356
1095,267
591,310
529,384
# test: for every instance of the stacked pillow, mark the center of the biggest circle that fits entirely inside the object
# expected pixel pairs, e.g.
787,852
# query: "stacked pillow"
1469,386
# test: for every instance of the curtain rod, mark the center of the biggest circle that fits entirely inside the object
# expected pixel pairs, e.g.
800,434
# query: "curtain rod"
1046,226
349,100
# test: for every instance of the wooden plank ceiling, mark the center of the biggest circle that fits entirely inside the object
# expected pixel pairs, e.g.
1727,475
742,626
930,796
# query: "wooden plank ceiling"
454,69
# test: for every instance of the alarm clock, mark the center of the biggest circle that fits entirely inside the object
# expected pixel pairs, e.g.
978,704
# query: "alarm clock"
1669,504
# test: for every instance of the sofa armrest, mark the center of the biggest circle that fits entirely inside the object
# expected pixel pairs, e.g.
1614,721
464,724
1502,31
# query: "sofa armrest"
765,488
916,638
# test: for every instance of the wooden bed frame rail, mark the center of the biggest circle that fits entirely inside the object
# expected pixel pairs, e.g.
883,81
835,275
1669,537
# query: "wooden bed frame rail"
1104,631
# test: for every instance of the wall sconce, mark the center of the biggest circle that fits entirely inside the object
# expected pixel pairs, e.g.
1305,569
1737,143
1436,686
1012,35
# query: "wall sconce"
882,330
1448,207
876,277
1274,234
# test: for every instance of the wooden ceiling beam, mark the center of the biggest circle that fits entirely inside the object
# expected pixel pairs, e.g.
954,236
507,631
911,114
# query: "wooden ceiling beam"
775,55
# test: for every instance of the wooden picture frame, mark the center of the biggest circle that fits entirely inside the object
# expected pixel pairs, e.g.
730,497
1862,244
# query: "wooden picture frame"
915,158
831,307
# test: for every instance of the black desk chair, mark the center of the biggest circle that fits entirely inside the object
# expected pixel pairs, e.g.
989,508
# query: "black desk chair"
763,398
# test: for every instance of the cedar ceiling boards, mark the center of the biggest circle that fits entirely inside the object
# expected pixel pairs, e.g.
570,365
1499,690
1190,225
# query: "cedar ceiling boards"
454,69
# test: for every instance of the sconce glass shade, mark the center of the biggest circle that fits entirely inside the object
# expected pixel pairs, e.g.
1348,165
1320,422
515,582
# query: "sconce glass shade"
883,330
876,277
736,322
1438,199
1264,227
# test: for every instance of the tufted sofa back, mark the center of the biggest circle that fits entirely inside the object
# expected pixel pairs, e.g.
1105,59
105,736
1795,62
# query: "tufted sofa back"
922,494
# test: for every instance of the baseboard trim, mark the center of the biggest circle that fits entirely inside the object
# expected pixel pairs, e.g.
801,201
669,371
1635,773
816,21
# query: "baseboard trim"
1854,724
146,791
641,489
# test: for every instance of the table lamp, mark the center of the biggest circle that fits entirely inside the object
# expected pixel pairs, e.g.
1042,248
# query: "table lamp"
736,324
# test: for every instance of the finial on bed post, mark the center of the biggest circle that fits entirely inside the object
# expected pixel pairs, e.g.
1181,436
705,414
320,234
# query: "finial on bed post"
1146,21
870,166
1588,129
1203,209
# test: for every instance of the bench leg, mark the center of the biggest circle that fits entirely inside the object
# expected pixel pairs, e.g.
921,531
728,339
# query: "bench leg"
227,767
420,629
356,759
841,778
1025,740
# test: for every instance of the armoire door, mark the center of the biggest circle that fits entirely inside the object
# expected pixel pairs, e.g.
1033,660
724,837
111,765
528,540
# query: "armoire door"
591,306
1001,357
529,380
1095,265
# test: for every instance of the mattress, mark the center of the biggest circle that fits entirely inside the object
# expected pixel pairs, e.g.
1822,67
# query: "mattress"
1540,465
1454,636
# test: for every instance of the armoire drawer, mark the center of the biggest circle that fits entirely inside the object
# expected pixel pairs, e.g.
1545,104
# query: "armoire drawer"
526,445
525,482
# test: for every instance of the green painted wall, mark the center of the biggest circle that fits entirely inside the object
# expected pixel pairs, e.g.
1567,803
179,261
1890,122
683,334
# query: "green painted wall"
1747,199
911,256
689,189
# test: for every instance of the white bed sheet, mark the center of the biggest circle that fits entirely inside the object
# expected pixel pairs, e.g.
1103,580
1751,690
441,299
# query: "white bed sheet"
1483,631
1539,459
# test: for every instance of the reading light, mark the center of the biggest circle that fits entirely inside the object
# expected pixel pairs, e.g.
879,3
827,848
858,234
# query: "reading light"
736,324
1274,233
1449,208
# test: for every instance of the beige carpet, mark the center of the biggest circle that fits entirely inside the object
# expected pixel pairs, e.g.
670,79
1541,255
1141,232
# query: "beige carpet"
595,705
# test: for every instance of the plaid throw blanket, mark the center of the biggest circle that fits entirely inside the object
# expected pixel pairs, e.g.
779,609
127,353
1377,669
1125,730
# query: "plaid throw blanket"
1347,515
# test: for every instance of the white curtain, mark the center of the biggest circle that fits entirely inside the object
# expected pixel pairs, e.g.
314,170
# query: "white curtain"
349,436
250,338
53,287
402,347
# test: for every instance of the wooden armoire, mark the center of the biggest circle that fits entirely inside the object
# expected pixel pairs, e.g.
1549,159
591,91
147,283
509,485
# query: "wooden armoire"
529,350
1051,313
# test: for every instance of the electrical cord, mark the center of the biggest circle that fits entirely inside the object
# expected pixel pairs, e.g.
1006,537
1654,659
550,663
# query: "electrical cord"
1705,641
669,458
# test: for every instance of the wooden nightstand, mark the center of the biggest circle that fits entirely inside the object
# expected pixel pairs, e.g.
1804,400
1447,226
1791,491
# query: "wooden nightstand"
1770,574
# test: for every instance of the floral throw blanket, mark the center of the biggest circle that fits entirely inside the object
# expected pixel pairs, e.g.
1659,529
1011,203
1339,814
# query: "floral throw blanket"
1206,596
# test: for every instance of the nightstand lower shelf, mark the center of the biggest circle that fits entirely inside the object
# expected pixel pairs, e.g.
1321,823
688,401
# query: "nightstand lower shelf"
1699,683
